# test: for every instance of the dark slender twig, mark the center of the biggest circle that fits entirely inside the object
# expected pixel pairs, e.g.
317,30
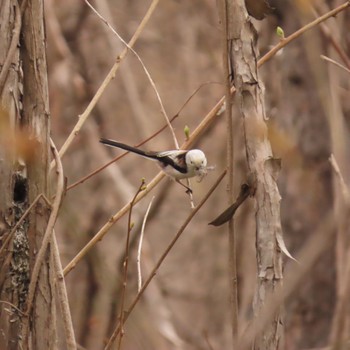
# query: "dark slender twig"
230,211
227,18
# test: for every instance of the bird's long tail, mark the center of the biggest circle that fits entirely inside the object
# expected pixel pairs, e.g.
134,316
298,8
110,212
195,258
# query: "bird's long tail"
126,148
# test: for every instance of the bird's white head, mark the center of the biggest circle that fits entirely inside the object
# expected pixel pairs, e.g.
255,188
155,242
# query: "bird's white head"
196,162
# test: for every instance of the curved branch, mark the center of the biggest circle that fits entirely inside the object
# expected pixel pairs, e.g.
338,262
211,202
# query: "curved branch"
46,240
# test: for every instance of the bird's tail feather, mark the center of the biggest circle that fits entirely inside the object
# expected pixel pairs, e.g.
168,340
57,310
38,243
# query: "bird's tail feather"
126,147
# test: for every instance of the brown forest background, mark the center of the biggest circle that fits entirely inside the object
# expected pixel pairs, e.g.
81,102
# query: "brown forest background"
307,99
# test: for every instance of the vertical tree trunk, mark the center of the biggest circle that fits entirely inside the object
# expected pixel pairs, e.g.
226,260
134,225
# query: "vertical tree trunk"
24,175
250,97
13,269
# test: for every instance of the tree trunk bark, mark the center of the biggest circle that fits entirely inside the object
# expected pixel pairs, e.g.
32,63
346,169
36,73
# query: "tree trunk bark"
24,176
265,168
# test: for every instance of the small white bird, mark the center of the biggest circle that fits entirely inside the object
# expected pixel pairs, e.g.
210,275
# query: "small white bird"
178,164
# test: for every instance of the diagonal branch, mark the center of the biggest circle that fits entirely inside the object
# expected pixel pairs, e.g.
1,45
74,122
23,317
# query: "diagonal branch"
110,76
165,254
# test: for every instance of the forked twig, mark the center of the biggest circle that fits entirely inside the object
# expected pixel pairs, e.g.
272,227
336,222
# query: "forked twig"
125,266
165,254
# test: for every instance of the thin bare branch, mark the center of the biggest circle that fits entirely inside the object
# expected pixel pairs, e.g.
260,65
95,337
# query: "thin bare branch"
328,59
60,283
139,249
83,117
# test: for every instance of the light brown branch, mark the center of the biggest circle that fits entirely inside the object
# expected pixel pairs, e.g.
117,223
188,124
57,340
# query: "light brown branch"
60,283
301,31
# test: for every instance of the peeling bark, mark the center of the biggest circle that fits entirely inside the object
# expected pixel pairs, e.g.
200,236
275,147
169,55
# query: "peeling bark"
14,263
24,160
250,96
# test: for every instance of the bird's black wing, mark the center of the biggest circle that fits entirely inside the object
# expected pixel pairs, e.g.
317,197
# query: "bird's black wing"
178,162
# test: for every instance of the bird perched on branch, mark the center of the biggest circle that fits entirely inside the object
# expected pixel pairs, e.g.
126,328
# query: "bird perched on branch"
178,164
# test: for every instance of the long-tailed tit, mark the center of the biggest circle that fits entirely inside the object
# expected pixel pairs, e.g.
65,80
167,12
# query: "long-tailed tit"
178,164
